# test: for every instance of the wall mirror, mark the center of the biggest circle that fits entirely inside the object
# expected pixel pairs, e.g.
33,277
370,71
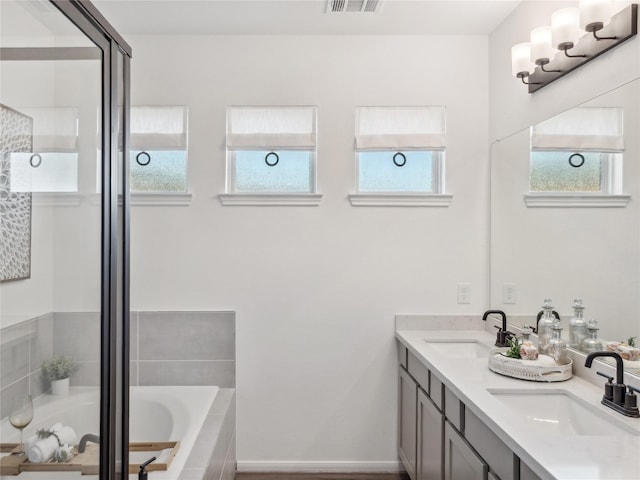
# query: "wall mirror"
571,245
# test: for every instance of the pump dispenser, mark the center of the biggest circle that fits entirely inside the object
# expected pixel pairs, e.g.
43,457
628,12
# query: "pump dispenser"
592,343
545,327
577,325
557,346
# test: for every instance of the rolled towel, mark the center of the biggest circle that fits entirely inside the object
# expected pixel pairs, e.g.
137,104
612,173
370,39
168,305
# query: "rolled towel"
45,448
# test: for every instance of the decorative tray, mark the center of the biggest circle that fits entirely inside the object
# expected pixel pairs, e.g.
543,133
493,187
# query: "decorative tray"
544,369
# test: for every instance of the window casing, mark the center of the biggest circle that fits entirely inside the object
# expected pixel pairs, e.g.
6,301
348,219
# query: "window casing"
158,153
271,150
400,150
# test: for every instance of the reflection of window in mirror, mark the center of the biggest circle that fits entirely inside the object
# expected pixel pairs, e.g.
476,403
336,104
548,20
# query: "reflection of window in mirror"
578,151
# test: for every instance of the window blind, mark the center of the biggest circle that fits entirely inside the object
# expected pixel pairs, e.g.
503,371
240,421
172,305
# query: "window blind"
158,128
400,128
597,129
55,129
275,128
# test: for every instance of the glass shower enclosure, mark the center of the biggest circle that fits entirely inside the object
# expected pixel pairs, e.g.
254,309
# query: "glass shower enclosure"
64,241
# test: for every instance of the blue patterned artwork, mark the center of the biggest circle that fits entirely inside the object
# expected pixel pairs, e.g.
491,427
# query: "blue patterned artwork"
16,135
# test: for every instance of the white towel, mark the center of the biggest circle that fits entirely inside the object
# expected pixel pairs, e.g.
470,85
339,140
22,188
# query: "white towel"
43,449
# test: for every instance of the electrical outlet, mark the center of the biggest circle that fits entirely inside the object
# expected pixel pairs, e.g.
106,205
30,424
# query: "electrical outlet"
464,293
509,293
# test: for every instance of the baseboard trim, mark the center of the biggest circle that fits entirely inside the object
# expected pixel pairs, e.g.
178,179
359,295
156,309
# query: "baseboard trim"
320,467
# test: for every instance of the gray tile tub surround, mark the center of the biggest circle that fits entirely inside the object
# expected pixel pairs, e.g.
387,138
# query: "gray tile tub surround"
77,334
183,348
213,454
23,347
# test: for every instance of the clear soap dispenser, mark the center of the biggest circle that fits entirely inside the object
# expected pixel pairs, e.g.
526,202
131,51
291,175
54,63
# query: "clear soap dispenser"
545,327
557,346
592,343
577,325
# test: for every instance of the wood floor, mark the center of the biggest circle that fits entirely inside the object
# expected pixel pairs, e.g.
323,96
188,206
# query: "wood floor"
320,476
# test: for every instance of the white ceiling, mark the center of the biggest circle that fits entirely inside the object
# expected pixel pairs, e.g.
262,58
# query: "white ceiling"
416,17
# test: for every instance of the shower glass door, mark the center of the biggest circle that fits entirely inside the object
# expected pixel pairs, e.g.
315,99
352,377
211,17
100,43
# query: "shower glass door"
63,300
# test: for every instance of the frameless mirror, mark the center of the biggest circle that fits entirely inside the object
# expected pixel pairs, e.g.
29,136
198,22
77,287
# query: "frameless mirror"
568,245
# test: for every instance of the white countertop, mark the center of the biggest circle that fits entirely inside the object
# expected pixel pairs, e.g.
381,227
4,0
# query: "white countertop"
562,457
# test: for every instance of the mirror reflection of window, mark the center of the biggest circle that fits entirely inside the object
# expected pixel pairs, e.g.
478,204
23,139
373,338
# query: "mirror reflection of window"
578,151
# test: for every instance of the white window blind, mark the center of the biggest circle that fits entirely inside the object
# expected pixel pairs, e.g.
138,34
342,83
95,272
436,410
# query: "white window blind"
55,129
158,128
598,129
274,128
400,128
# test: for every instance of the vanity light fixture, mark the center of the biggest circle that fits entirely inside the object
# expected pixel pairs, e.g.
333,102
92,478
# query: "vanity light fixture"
575,37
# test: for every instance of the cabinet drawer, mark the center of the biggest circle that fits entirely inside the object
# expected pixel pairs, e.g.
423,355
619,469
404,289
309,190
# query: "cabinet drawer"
437,392
419,372
453,409
500,458
526,473
402,354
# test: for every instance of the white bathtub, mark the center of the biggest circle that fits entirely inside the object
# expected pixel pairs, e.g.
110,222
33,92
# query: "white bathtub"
157,414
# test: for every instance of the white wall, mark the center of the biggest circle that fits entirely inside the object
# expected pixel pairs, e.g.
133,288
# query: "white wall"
315,288
512,108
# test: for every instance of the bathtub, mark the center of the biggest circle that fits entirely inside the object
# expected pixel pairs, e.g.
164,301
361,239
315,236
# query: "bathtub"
156,414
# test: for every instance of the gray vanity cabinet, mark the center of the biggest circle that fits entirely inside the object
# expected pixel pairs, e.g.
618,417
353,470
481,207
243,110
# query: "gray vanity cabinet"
429,439
461,462
526,473
407,402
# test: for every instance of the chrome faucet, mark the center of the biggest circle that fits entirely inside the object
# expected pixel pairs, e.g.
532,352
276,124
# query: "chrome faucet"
503,336
614,393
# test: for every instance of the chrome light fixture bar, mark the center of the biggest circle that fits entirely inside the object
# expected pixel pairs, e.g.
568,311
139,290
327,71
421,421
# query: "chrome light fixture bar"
575,38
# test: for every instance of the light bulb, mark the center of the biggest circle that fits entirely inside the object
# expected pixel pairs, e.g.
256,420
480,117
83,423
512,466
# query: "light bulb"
594,14
542,50
521,65
565,28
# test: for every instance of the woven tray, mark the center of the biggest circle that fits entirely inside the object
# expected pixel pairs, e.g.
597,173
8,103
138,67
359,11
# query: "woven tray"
528,369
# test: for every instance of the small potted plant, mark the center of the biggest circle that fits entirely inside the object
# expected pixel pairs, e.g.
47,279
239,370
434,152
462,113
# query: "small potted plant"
57,371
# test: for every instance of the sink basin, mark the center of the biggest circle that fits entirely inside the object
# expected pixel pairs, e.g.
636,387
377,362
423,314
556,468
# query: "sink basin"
559,412
459,348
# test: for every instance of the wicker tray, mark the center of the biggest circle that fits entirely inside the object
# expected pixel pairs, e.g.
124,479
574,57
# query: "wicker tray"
528,369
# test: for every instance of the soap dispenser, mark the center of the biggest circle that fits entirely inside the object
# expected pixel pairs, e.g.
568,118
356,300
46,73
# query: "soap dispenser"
545,327
577,325
592,343
557,346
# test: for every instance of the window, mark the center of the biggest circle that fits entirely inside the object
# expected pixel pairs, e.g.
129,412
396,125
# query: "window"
271,150
52,165
158,153
578,152
400,150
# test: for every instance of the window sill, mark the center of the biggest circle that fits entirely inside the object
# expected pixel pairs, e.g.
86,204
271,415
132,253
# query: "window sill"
576,200
271,199
58,199
164,199
400,199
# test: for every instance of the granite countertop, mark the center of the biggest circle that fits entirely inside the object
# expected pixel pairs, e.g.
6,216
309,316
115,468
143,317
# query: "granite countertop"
566,457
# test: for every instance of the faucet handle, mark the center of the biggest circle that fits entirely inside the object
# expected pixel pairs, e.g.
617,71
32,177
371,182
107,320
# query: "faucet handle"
630,399
608,387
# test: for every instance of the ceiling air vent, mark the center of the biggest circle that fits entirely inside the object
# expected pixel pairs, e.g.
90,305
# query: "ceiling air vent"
342,6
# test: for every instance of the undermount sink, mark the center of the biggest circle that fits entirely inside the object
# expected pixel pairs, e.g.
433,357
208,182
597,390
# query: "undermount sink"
559,412
466,348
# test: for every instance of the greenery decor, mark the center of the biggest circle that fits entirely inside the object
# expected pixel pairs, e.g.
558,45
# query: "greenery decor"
58,368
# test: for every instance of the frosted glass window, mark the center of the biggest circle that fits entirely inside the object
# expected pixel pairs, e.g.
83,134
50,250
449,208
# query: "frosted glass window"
44,172
400,149
271,149
165,172
378,173
551,172
293,172
158,156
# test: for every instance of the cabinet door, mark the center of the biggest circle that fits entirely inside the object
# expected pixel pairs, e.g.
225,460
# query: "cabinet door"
407,402
430,437
460,461
526,473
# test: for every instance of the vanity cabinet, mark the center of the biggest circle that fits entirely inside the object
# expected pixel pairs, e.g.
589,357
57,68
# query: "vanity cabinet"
441,439
460,460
